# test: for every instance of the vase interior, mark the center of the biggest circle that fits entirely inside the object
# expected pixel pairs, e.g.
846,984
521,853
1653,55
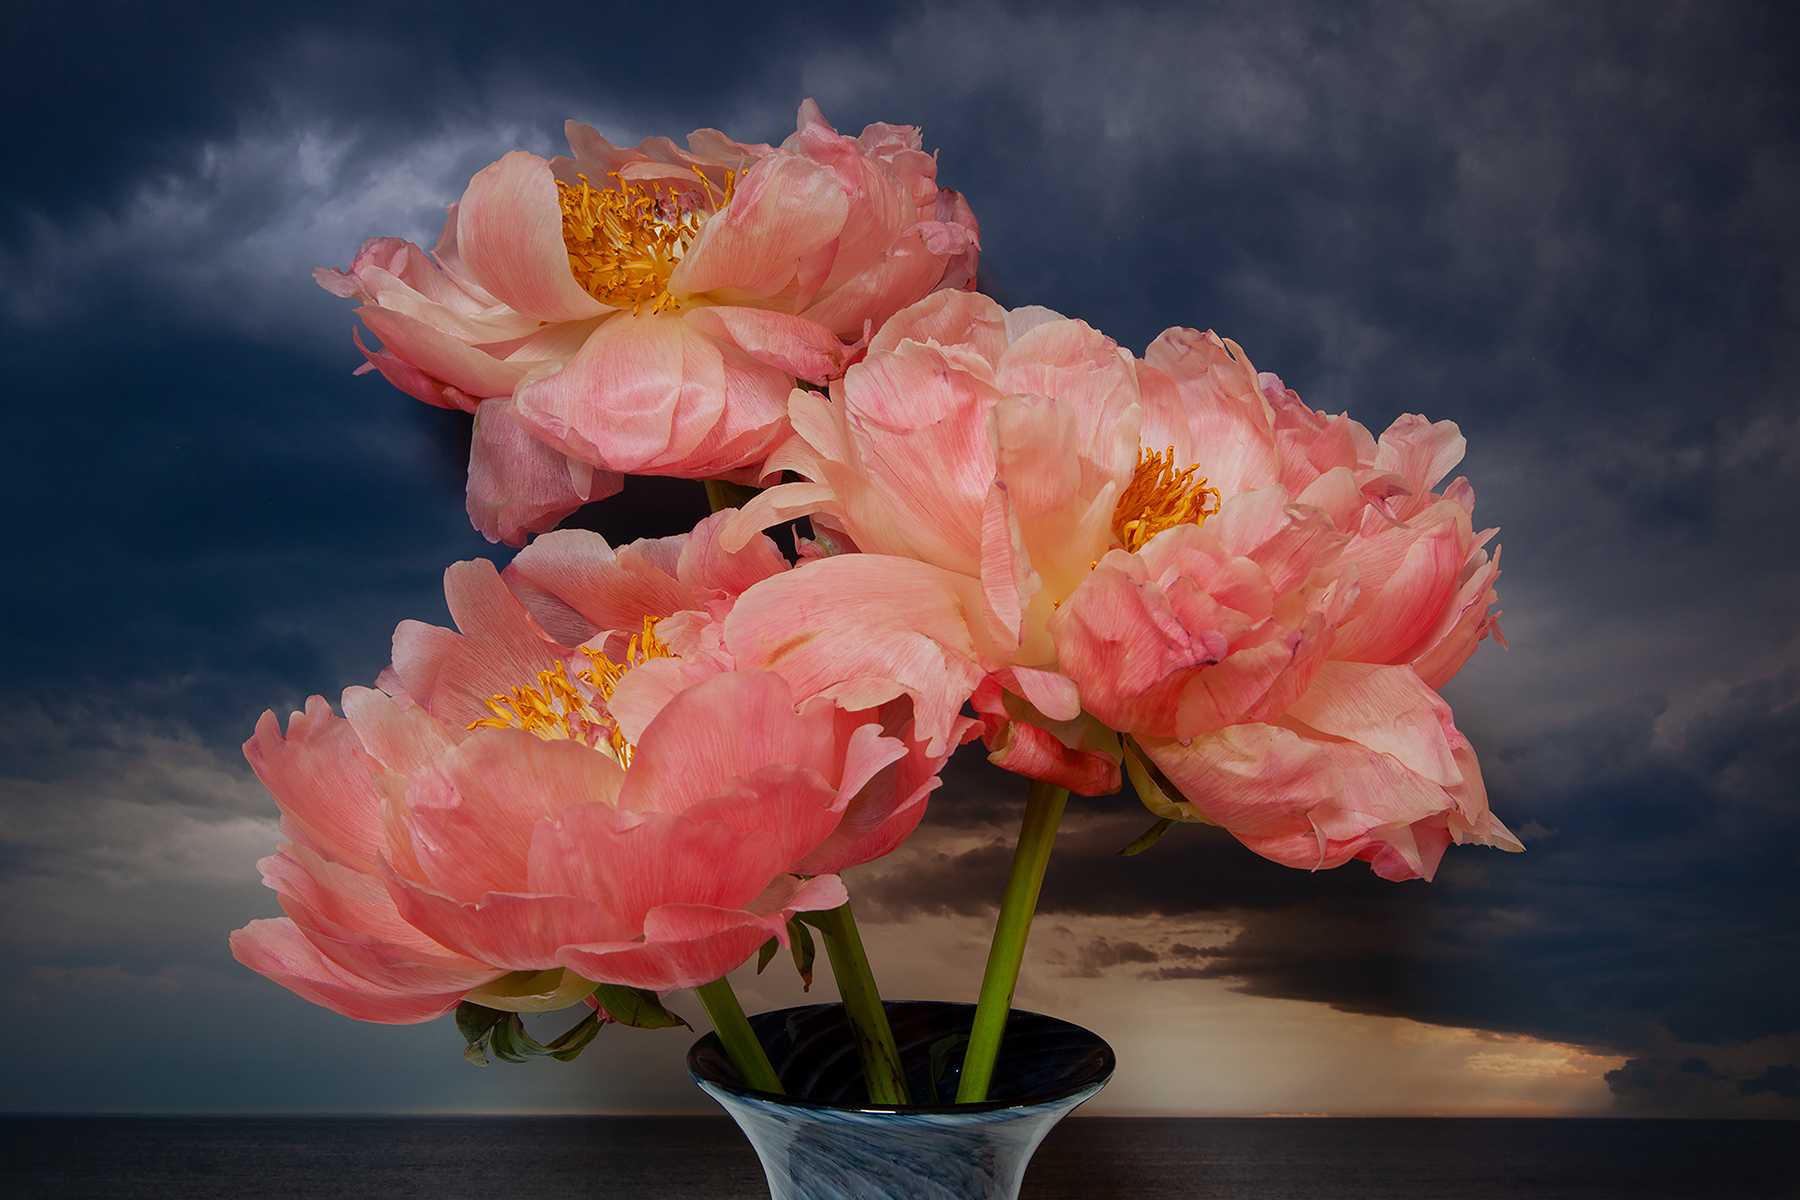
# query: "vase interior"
813,1051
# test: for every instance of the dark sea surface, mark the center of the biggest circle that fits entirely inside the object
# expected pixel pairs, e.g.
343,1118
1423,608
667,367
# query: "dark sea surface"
705,1158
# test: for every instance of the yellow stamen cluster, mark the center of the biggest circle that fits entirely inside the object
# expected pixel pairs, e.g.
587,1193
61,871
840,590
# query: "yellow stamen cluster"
554,709
606,673
624,242
557,709
1159,497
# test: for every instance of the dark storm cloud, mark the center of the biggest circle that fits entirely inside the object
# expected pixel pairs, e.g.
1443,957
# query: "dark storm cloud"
139,86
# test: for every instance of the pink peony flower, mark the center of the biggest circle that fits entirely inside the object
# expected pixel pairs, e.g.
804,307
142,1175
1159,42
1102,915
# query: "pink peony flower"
573,583
1275,664
509,820
1175,549
647,310
986,450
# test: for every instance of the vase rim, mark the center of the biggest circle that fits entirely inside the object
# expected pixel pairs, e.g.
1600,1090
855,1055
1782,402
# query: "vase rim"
1089,1080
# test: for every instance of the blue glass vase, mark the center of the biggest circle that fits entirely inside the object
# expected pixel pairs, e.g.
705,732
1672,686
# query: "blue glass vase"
825,1141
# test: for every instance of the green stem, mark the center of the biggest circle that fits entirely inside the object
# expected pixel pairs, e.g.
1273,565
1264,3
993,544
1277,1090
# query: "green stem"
1037,836
882,1073
739,1040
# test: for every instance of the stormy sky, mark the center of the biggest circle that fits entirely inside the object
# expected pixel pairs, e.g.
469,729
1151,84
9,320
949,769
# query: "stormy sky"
1570,229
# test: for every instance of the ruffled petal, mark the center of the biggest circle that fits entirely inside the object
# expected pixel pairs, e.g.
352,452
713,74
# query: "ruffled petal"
630,863
863,629
328,802
654,394
500,648
509,233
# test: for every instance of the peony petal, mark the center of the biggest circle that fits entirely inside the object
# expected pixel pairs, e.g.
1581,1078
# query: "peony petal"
720,729
278,950
513,932
500,648
473,815
950,319
609,591
906,273
863,629
509,233
707,566
642,393
402,739
518,485
629,863
1387,709
1401,602
328,802
1257,781
1230,424
688,945
785,207
409,379
791,344
675,962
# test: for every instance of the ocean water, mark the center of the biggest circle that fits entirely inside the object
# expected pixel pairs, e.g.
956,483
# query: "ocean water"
704,1158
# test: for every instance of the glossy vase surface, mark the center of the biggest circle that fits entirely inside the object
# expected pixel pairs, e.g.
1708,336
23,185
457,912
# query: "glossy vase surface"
825,1141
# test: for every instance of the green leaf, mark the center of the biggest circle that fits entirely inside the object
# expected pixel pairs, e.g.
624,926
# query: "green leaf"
573,1042
766,955
1148,838
940,1053
476,1024
800,942
510,1042
636,1007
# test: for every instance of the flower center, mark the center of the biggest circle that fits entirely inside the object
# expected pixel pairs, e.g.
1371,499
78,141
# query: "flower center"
1159,497
624,242
556,709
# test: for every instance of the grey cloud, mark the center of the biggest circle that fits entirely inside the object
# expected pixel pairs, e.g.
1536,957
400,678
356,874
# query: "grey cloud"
1746,1080
1101,954
128,842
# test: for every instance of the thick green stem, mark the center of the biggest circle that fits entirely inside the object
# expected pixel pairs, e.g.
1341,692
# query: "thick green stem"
882,1072
739,1040
1043,812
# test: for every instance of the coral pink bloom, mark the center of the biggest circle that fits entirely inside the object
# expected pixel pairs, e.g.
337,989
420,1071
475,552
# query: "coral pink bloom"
1276,662
1174,549
647,310
574,584
991,448
508,816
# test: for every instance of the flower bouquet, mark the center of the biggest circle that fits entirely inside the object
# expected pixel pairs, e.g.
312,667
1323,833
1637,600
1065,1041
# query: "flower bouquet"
631,769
